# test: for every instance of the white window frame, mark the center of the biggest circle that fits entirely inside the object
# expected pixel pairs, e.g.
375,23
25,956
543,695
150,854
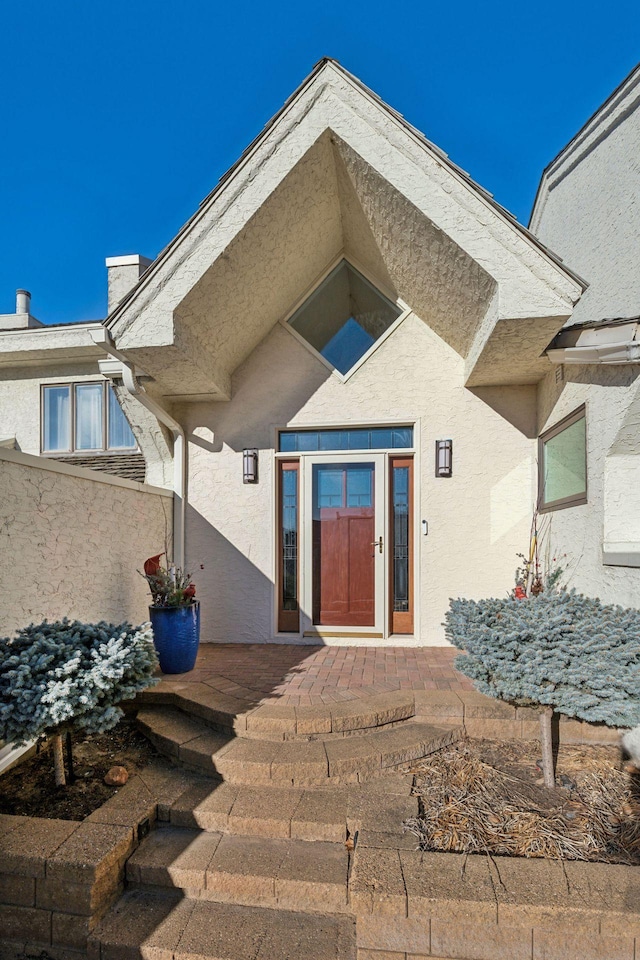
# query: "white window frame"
105,448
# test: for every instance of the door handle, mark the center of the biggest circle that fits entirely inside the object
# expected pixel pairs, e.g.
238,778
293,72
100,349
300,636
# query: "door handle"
377,543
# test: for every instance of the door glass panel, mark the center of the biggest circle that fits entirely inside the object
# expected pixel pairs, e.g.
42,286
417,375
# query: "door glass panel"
330,482
400,504
359,492
343,555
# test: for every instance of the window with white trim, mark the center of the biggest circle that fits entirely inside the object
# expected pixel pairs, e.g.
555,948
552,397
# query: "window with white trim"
83,418
562,463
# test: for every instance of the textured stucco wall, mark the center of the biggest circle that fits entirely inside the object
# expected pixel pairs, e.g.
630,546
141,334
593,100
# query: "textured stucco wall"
171,328
588,211
70,545
580,532
20,398
610,513
478,520
20,413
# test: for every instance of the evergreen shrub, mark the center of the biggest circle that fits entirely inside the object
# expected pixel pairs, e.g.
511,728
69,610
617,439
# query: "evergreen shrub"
559,650
71,676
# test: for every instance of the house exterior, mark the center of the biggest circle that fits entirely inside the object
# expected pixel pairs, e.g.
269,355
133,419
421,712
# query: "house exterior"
339,366
588,210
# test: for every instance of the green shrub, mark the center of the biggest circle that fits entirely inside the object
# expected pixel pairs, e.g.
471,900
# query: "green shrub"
71,676
560,651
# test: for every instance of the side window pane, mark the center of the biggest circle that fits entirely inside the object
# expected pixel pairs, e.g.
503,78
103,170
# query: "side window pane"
564,471
120,433
289,509
400,519
89,416
57,419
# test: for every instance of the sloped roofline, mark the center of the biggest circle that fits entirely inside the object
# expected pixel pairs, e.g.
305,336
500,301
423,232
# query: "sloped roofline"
399,119
618,94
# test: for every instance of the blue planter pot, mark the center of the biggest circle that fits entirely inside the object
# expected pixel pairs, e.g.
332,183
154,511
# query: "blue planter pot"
176,636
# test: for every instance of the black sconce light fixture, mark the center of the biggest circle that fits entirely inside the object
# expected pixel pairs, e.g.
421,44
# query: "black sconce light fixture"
444,458
249,466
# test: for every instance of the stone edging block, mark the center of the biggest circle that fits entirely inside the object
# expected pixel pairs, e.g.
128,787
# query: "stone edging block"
59,877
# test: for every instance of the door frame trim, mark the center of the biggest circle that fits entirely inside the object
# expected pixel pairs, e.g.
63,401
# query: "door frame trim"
418,543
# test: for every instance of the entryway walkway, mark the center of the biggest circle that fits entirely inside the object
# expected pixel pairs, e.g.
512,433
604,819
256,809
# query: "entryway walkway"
296,675
298,790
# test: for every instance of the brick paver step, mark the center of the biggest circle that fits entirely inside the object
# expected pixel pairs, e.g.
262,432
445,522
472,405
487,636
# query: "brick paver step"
281,763
252,871
150,924
256,720
311,813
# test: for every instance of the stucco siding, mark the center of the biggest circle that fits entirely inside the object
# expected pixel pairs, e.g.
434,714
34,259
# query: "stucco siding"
576,535
71,544
478,520
20,399
20,392
589,213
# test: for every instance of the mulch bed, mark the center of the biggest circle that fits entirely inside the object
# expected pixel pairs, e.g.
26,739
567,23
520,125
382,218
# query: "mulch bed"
28,789
487,796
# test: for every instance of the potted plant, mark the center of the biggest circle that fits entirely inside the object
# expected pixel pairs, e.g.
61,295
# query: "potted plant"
174,615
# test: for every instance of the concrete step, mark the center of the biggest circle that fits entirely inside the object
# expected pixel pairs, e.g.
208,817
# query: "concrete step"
311,814
158,924
255,720
251,871
282,763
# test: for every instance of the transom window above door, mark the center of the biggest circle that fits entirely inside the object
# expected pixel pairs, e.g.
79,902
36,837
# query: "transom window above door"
354,438
344,317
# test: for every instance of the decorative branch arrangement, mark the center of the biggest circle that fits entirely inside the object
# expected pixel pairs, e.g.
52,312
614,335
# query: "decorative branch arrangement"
169,586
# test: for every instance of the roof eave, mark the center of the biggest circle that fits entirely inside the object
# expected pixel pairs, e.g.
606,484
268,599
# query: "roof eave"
442,157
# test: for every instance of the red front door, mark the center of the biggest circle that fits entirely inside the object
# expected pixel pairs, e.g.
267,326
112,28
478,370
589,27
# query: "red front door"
343,551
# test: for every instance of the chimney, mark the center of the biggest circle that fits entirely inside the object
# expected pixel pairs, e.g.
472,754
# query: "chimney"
122,275
21,319
23,301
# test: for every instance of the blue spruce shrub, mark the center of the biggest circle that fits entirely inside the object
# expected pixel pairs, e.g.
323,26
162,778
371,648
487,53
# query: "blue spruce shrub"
71,676
560,650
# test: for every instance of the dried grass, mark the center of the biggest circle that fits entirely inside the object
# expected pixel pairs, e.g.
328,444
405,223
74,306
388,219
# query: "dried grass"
469,806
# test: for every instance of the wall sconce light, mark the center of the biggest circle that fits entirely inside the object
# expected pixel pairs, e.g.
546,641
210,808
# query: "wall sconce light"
249,466
444,458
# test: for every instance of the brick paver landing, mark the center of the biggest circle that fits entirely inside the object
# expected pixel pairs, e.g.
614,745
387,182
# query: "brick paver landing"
305,675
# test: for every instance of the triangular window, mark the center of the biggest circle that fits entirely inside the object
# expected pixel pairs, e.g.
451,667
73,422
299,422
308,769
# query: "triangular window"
344,317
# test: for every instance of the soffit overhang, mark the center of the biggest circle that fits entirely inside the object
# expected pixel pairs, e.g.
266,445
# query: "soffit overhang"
49,344
338,173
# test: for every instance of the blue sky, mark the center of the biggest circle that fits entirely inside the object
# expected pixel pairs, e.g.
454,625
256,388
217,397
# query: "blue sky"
118,117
